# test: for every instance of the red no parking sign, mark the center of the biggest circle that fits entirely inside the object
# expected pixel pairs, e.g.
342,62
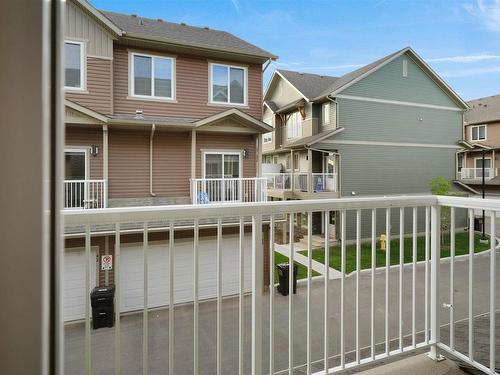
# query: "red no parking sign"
106,262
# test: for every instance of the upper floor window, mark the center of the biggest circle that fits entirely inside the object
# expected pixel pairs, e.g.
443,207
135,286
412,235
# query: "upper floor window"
294,125
152,76
74,65
326,113
478,133
228,84
268,137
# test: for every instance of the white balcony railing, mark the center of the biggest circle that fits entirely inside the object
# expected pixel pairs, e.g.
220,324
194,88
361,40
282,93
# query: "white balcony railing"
477,173
401,309
85,194
278,181
221,190
321,182
324,182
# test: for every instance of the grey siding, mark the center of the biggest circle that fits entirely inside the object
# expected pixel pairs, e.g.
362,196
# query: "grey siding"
388,83
371,121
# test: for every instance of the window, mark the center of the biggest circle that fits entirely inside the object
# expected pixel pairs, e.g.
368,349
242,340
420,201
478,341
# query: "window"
152,76
227,84
405,68
268,137
74,65
287,162
478,133
460,162
296,162
222,165
275,159
294,125
326,113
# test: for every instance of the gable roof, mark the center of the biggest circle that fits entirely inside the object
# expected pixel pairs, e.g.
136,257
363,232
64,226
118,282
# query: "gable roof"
483,110
308,84
169,32
85,5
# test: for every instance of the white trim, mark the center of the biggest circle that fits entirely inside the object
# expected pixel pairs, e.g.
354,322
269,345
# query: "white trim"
287,81
405,68
245,83
485,132
89,8
83,66
84,150
222,152
481,158
131,93
325,120
397,102
394,144
269,139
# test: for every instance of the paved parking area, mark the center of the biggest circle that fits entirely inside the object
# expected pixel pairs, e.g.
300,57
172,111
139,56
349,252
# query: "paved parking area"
131,336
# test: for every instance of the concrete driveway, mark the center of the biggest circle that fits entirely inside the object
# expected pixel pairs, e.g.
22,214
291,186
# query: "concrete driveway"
132,330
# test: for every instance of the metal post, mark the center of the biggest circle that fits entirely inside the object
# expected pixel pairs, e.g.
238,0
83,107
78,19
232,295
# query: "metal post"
483,237
257,294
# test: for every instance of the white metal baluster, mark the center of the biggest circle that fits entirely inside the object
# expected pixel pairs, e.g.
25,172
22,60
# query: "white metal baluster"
242,288
309,275
257,294
414,280
117,299
219,296
223,190
195,298
387,269
271,297
171,305
471,284
493,270
326,337
342,288
435,265
452,278
426,282
401,266
88,337
290,294
358,270
145,324
373,265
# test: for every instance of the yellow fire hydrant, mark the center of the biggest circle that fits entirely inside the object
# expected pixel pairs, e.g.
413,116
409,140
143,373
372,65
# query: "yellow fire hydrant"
383,240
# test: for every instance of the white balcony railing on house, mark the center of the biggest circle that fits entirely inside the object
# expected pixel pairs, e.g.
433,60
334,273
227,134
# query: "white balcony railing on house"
477,173
324,182
222,190
85,194
391,319
278,181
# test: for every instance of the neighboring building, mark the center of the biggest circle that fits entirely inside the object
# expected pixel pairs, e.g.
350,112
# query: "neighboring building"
386,128
481,138
157,113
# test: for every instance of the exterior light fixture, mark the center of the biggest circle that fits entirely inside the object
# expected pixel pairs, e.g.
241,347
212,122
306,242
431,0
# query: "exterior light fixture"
245,153
94,150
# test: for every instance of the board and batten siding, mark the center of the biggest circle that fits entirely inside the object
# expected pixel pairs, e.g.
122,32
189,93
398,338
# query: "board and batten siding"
129,163
191,96
99,87
82,27
227,142
388,83
80,137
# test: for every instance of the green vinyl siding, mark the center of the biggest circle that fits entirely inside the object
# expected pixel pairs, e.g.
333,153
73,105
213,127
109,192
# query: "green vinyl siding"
373,121
388,83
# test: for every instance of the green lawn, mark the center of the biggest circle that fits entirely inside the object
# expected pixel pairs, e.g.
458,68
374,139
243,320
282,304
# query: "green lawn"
301,271
461,247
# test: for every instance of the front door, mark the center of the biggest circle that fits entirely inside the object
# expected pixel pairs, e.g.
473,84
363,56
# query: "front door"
329,172
222,171
74,179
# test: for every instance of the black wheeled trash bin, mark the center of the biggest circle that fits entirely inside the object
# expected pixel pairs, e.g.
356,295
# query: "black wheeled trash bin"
283,272
102,300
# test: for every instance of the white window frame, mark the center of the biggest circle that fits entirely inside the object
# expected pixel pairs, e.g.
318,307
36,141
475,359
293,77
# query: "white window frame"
288,162
152,96
267,138
296,165
238,153
460,157
245,82
477,127
480,158
84,150
297,132
83,66
325,107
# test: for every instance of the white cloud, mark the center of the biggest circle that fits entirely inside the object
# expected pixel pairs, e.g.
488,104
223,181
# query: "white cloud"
236,5
488,12
466,59
473,72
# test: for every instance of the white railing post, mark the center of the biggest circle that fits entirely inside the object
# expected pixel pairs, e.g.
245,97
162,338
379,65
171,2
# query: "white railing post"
434,284
257,294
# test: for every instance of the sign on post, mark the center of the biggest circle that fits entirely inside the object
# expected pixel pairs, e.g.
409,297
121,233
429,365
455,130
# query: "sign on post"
106,262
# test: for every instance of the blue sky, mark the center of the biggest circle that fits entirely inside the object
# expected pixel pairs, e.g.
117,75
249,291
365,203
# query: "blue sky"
460,39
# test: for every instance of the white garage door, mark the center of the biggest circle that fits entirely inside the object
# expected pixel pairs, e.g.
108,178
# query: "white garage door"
132,271
74,296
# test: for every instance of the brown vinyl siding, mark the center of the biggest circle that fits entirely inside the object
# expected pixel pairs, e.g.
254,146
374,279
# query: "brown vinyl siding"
236,142
492,134
129,163
85,137
191,90
99,95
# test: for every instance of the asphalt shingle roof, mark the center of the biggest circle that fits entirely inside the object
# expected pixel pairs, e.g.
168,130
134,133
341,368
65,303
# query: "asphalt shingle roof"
483,110
184,34
310,85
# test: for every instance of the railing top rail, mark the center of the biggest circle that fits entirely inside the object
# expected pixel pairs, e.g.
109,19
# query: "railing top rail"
90,180
229,179
176,212
473,203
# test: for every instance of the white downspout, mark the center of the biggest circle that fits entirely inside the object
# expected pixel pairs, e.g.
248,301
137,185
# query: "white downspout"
105,157
153,128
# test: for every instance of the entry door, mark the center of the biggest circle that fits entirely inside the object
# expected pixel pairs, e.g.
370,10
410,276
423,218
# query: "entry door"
226,169
479,167
75,189
329,170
